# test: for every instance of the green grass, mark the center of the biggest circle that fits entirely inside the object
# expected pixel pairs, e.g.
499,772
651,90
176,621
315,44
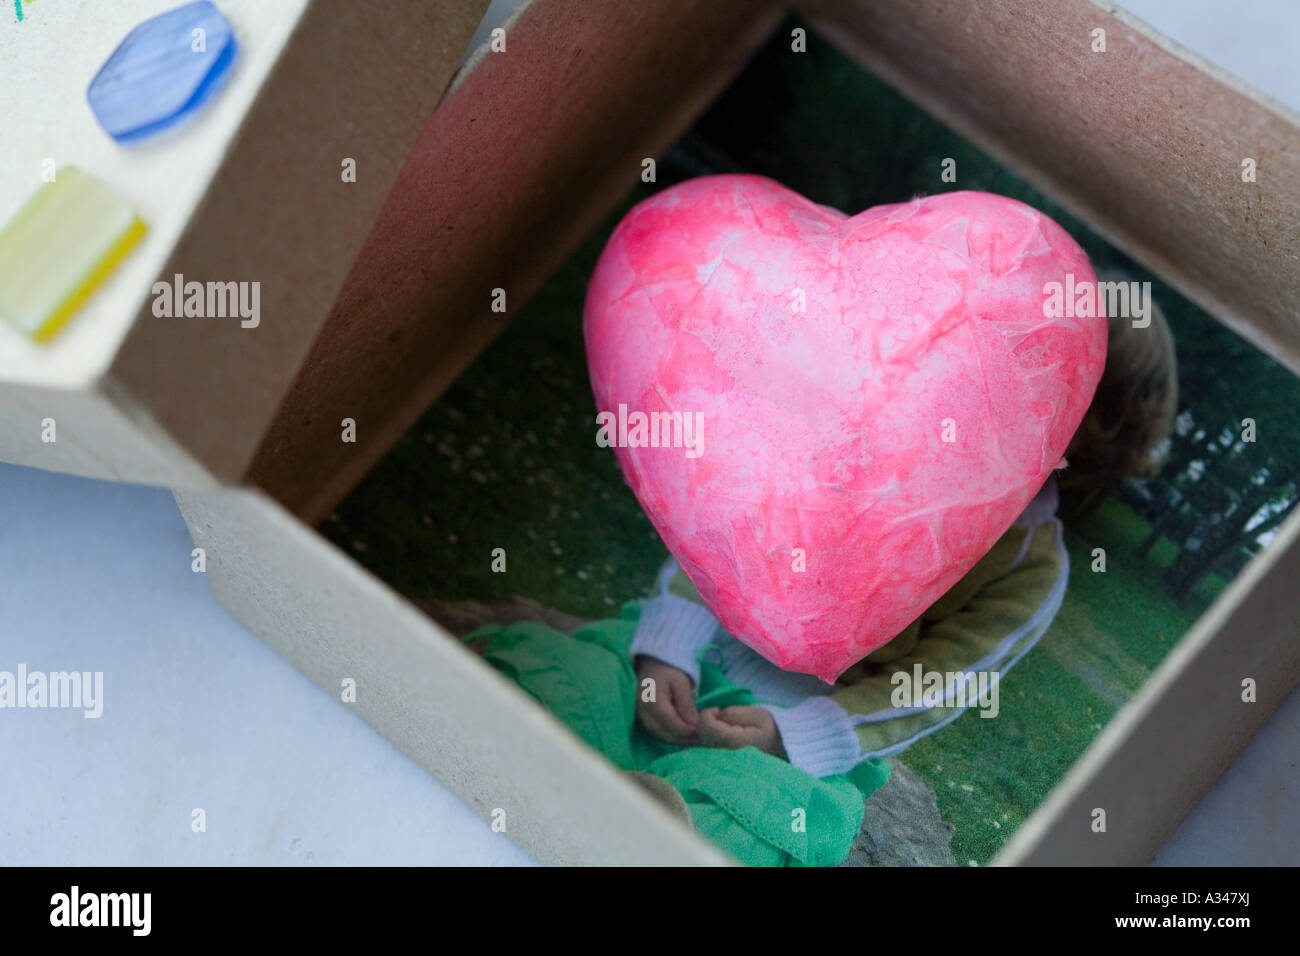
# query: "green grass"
1120,530
990,774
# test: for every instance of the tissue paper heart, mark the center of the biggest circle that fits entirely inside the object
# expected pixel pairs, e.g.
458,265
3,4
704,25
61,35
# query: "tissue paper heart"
830,419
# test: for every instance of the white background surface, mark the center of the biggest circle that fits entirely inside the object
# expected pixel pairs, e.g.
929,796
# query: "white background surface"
199,714
1257,40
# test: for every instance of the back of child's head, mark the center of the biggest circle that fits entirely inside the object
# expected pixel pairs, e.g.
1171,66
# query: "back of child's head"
1133,410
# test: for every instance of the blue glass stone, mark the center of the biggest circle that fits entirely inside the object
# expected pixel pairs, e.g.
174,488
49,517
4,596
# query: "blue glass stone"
156,77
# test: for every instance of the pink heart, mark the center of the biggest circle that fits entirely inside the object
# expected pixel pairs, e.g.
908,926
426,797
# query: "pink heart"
890,432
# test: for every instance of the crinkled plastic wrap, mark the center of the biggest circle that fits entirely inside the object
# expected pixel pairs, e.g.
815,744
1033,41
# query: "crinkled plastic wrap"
830,419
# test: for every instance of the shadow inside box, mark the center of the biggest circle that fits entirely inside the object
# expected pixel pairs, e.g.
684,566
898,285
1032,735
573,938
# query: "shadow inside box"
901,825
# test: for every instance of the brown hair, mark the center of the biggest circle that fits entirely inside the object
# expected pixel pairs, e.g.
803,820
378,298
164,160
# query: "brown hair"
1132,411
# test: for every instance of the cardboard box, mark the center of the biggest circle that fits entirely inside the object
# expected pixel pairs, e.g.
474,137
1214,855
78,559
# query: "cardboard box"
1145,142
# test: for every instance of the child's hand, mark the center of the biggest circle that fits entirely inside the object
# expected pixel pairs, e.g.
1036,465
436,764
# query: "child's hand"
732,728
671,716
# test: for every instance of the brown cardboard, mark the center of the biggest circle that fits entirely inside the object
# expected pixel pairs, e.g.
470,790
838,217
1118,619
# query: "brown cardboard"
1145,141
98,433
186,401
215,384
954,62
531,149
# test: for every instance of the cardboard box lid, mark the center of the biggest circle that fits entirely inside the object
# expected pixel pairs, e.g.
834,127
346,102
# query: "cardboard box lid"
274,571
249,190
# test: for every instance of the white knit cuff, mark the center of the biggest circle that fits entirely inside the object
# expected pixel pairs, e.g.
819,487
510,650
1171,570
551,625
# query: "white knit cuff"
818,736
672,629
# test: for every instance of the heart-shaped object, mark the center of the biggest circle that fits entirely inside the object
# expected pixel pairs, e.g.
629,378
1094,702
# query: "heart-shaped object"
830,419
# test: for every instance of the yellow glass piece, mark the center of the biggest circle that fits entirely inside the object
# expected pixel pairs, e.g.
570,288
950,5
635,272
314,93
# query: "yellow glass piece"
58,248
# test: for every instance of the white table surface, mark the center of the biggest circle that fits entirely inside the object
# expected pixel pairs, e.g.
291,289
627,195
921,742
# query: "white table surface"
197,713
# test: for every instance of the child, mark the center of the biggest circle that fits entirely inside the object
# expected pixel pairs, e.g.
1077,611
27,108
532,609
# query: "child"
984,623
774,766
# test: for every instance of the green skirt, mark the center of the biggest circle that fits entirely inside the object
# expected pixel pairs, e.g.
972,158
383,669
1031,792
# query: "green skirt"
756,807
